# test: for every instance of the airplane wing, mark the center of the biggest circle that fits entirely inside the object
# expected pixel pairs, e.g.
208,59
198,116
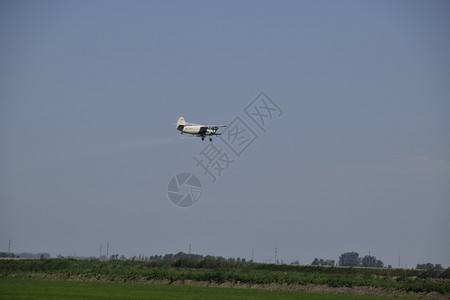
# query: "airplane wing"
215,127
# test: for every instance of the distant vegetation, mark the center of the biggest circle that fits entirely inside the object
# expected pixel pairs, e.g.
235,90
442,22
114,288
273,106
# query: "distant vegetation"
429,266
352,259
25,255
348,259
220,270
322,262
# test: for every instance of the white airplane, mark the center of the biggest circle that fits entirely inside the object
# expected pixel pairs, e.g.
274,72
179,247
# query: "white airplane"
198,130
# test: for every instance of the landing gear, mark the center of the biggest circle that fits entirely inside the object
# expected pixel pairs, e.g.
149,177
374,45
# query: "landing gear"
210,139
203,138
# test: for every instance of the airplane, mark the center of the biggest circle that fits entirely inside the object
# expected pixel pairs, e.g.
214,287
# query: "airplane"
198,130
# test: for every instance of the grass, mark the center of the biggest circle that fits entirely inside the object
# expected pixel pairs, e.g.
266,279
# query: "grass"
11,288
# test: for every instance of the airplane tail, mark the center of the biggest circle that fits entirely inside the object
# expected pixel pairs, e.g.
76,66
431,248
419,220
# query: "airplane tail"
181,123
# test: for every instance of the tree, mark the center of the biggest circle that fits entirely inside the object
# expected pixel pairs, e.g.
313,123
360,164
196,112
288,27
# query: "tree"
329,262
369,261
350,259
322,262
429,266
7,254
379,264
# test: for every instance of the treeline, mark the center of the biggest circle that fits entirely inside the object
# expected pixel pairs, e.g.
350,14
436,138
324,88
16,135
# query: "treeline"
429,266
175,256
347,259
322,262
24,255
351,259
196,261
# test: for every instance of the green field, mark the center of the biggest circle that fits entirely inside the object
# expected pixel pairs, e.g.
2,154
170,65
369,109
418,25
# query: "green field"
129,279
219,271
59,289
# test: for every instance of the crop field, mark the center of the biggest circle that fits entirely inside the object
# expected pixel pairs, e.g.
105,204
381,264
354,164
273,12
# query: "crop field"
58,289
186,275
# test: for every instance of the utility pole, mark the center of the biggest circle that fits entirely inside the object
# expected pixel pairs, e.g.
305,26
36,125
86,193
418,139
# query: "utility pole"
276,261
107,250
9,247
399,261
100,257
252,254
189,249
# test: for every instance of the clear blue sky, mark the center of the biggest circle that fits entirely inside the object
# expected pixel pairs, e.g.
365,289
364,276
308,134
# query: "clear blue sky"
359,160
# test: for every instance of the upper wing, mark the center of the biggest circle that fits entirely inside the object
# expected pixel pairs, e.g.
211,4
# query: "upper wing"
215,127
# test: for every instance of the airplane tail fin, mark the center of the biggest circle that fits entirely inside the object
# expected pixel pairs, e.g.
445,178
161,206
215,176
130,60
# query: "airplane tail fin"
181,123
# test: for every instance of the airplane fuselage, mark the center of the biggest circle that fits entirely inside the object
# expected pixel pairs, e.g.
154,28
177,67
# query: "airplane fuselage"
198,130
